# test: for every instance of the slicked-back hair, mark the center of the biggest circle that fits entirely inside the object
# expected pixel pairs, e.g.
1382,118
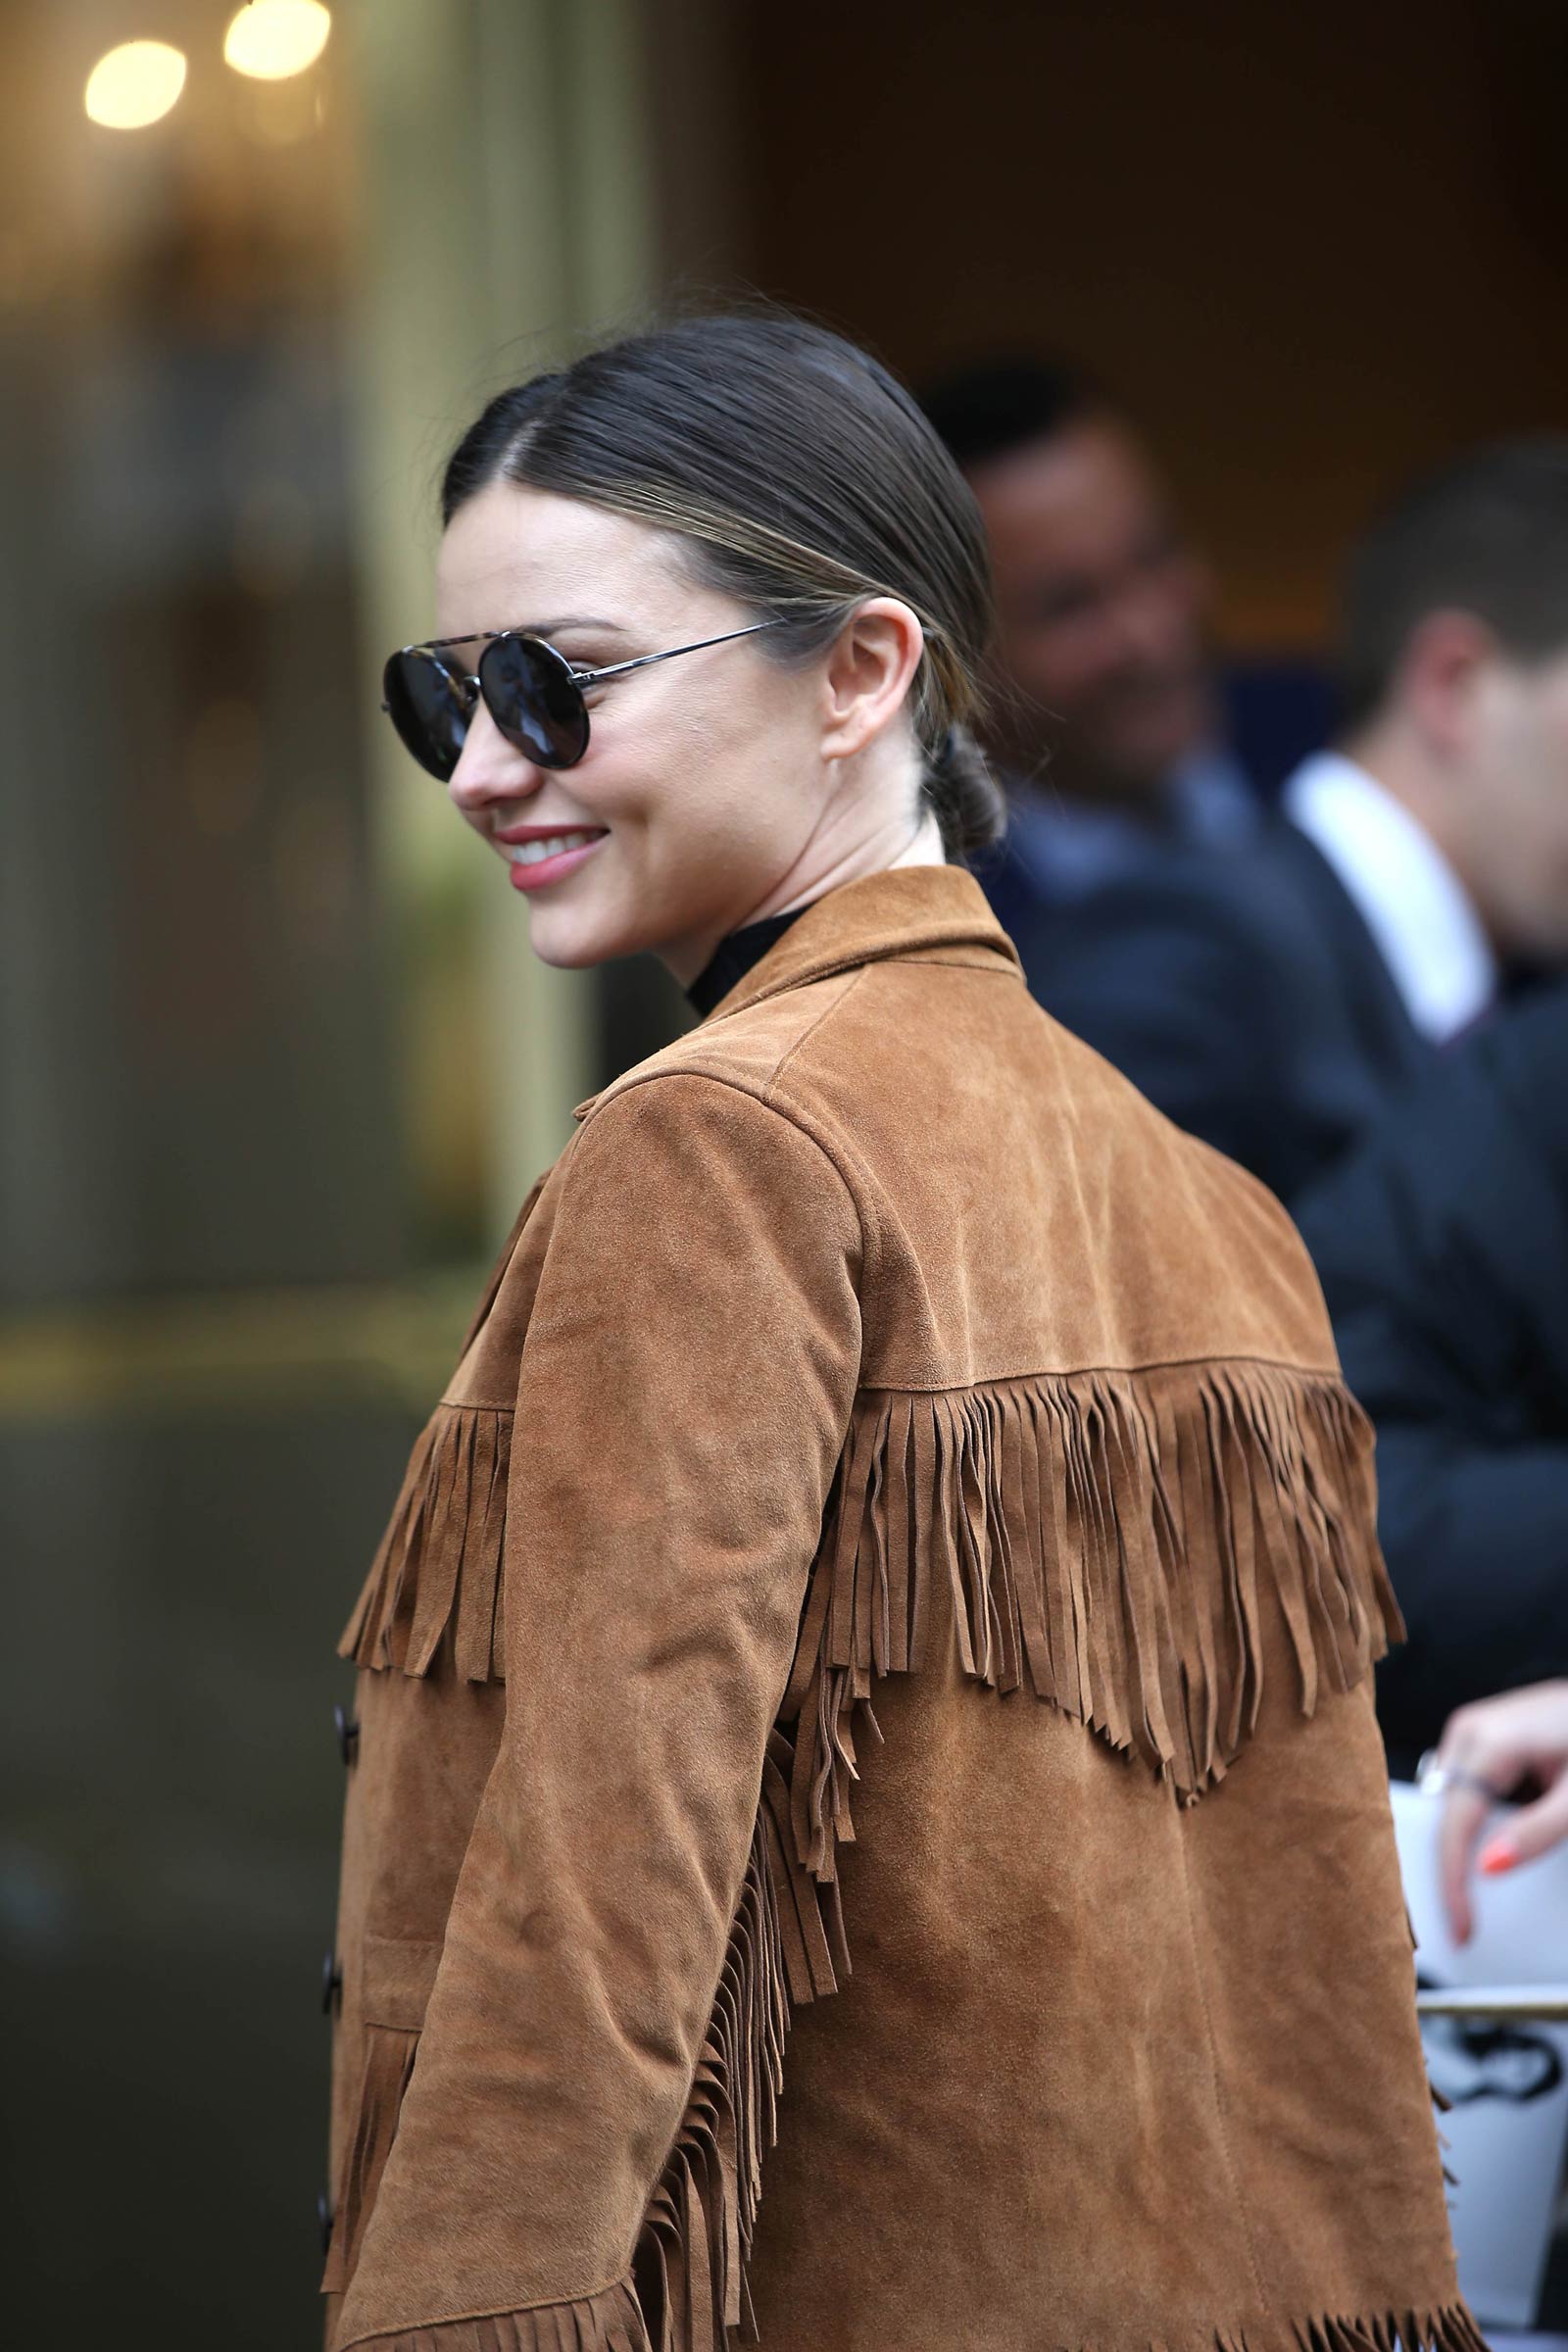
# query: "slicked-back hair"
801,477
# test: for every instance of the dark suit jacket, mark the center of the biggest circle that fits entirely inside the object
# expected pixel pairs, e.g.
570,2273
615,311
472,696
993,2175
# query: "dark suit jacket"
1443,1247
1240,993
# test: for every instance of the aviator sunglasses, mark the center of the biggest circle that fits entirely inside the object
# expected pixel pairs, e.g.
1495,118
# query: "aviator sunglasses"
532,692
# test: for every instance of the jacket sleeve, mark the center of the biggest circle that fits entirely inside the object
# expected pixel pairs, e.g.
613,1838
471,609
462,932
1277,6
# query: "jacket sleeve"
685,1387
1443,1248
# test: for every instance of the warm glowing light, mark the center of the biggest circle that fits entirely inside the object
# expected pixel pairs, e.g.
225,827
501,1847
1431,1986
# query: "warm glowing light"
134,85
271,39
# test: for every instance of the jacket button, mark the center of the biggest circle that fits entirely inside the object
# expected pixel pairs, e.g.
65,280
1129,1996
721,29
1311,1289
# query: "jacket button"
348,1734
332,1985
324,2216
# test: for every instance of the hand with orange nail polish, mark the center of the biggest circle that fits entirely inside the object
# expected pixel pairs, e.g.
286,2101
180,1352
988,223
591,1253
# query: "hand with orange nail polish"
1488,1751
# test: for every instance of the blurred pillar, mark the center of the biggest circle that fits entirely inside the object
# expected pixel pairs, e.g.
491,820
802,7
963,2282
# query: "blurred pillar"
193,1073
506,217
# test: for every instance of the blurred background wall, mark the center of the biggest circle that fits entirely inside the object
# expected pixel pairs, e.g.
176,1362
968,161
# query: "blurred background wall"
274,1065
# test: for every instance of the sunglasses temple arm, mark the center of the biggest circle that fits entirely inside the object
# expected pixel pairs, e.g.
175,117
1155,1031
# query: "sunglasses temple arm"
590,677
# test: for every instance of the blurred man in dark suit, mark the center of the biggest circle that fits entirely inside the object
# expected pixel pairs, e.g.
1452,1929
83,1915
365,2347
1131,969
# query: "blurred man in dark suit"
1443,1247
1109,724
1273,1000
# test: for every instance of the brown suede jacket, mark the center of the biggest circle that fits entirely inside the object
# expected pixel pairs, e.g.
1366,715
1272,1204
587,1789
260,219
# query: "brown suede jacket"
876,1339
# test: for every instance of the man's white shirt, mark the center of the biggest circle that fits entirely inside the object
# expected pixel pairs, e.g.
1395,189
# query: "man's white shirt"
1404,890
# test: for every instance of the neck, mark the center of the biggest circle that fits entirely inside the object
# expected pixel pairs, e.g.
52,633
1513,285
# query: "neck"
896,845
809,879
1400,766
1396,758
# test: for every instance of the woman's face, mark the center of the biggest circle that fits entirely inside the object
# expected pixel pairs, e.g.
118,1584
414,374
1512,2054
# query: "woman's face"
707,784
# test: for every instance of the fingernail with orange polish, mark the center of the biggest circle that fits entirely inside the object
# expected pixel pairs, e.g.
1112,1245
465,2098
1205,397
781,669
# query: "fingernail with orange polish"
1499,1855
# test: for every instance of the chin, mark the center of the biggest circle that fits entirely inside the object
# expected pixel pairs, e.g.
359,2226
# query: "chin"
573,939
568,948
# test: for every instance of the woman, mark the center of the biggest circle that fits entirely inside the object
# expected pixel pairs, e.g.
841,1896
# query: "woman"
874,1339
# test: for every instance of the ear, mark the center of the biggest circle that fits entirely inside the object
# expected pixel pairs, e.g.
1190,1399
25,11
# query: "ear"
870,666
1442,668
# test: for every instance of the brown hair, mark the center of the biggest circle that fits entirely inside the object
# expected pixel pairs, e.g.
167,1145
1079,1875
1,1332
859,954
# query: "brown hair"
805,478
1486,534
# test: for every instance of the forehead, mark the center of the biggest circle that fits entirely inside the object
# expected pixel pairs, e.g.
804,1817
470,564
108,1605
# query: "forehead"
1072,498
512,556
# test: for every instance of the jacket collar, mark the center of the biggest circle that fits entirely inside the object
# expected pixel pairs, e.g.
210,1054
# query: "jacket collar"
910,910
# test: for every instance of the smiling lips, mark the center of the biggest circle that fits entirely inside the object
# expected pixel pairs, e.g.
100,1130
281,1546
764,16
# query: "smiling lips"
551,844
537,857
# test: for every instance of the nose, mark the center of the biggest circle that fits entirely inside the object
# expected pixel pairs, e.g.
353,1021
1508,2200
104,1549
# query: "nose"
490,769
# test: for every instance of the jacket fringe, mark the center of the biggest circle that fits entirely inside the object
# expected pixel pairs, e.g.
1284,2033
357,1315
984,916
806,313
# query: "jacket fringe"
786,1947
611,2320
388,2064
1449,2328
1060,1511
614,2321
436,1576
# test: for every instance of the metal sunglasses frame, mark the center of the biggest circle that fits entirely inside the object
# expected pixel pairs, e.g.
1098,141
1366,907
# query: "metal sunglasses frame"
578,677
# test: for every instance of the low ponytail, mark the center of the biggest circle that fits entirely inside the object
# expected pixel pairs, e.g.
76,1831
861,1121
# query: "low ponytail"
963,793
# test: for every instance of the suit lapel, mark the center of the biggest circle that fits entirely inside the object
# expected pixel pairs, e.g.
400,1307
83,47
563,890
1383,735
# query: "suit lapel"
1388,1038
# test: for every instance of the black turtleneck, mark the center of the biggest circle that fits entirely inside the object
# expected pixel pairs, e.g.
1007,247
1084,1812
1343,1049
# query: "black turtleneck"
733,958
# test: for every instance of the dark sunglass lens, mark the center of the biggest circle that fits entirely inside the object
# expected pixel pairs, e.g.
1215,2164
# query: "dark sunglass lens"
426,709
535,701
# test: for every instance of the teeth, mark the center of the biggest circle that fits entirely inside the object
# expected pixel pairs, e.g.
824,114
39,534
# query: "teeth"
533,853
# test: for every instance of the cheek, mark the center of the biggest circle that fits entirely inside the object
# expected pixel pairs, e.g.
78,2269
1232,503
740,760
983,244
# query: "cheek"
1532,772
698,785
638,767
730,809
1523,805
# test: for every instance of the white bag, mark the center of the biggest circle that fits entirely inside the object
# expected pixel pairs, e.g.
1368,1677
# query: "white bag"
1508,2127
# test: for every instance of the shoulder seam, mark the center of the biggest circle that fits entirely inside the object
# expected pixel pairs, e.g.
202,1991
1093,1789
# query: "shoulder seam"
762,1099
812,1026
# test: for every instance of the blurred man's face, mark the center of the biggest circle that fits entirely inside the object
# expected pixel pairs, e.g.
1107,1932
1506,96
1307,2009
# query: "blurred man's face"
1515,853
1101,609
